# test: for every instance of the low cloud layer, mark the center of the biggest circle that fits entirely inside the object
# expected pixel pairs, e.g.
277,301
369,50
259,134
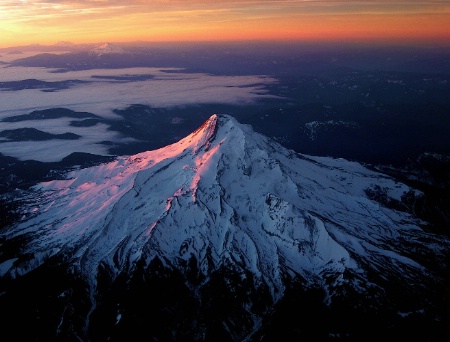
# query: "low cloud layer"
103,90
100,95
56,149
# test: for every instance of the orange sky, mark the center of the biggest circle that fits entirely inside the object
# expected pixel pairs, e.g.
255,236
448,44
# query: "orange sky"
87,21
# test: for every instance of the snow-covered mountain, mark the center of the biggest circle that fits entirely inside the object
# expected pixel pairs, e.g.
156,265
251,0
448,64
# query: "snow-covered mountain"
314,128
65,44
106,48
207,238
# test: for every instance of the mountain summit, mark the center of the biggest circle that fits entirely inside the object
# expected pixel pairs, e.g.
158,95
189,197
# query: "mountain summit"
106,48
211,237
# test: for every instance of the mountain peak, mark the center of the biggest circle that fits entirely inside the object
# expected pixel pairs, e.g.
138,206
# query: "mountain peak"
107,48
204,135
207,131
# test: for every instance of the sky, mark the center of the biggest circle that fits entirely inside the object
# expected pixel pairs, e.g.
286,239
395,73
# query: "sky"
24,22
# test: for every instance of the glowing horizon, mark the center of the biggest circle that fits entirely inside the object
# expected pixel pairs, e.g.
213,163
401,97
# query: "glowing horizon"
87,21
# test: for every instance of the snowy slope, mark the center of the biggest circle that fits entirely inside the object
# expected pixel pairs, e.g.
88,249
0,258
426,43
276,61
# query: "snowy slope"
226,196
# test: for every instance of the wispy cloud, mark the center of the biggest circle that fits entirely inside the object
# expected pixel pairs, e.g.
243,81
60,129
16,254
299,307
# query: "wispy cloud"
84,18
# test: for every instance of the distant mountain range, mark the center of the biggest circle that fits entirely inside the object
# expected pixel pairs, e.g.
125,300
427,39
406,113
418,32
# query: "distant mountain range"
224,235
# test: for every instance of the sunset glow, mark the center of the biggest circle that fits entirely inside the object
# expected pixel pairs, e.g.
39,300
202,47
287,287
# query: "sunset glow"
87,21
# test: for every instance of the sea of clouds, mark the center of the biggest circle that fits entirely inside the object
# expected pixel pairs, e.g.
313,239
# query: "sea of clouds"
103,90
